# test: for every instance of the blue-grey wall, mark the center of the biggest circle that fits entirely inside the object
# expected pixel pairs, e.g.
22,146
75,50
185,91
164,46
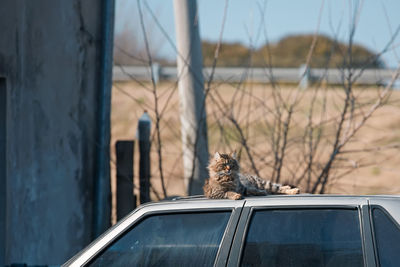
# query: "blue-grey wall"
3,106
50,58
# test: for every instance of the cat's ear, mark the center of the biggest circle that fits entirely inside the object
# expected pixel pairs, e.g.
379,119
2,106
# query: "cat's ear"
233,155
217,156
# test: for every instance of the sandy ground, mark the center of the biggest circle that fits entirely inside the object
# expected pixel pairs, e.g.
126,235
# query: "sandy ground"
374,172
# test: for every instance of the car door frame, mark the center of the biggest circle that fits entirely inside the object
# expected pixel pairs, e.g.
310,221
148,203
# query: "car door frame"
390,206
142,212
304,202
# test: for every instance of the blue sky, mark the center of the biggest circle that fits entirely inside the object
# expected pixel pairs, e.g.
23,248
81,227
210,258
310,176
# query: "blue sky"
377,21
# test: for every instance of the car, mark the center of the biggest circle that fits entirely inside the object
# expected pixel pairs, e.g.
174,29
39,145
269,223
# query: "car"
275,230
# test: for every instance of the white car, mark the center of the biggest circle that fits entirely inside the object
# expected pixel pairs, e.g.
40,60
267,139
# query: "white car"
299,230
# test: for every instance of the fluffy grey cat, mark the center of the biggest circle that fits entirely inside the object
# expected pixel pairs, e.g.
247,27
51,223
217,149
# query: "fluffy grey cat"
226,181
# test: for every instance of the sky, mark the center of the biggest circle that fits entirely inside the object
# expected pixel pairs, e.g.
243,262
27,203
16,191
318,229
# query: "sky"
253,22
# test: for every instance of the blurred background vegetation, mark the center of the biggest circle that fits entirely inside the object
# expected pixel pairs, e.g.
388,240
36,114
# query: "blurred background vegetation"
290,52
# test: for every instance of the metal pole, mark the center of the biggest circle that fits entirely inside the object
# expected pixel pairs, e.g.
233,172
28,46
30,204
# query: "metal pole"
143,135
102,190
191,92
126,200
3,170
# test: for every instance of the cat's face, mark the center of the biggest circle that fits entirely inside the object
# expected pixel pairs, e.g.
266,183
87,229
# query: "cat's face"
224,164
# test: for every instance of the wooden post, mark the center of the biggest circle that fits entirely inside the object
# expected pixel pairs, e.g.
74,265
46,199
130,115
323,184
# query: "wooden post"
191,93
143,135
126,200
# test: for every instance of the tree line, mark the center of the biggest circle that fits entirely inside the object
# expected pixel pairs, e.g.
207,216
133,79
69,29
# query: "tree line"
290,52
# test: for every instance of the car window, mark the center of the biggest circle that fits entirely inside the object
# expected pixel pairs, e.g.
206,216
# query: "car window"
188,239
303,237
387,236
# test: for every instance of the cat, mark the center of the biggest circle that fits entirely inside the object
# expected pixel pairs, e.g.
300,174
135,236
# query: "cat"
226,181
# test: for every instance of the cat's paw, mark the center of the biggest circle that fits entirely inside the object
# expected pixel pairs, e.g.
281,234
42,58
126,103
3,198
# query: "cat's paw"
235,196
293,191
285,188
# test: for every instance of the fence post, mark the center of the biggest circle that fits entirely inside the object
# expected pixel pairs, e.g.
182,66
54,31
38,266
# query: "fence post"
156,72
305,76
143,135
126,200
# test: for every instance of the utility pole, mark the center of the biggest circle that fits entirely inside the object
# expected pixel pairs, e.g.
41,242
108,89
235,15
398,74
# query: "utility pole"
191,93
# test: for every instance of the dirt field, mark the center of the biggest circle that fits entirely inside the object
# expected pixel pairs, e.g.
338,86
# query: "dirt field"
252,105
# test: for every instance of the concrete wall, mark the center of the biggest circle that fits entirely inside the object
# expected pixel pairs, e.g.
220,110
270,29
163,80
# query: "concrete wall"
50,57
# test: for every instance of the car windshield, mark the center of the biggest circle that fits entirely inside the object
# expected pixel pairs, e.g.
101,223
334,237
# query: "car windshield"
168,240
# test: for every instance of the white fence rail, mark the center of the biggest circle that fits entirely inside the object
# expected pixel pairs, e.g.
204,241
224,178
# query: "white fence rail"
262,75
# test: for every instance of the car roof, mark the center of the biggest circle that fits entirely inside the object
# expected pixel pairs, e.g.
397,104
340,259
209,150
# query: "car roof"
268,197
304,198
390,203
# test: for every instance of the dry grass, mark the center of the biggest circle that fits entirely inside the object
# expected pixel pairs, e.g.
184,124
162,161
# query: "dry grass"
251,107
